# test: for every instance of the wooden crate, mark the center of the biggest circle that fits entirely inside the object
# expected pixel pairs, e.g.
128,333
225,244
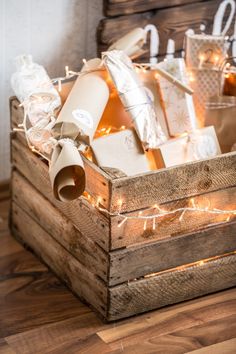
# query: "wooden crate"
122,271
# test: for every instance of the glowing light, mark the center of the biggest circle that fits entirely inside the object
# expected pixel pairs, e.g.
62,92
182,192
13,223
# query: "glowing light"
145,225
182,215
154,223
59,85
122,222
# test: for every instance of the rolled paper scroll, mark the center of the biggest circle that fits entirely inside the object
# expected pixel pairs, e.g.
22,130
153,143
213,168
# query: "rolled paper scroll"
131,43
177,104
85,104
66,171
122,151
134,98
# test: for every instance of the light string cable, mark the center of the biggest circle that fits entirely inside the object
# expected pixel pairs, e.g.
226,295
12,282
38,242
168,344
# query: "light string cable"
159,212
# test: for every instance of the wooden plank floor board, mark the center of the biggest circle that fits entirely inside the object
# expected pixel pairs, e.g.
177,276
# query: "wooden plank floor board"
38,315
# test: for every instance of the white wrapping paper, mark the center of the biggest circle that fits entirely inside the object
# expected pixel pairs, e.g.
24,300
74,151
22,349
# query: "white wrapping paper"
134,98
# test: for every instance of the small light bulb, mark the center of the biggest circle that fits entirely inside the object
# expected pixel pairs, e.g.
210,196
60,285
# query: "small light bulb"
145,225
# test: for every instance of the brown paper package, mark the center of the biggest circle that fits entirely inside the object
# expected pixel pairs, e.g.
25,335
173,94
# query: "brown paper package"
121,150
221,113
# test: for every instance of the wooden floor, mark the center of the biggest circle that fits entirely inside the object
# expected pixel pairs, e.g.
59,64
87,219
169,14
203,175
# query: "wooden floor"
39,315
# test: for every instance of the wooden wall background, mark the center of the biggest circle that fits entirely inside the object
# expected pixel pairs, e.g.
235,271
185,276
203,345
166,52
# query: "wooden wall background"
171,17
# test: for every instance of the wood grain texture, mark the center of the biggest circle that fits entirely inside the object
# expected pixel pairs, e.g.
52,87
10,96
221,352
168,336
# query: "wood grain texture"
132,232
87,219
134,262
174,183
120,7
170,22
226,347
5,348
73,273
171,319
187,340
164,289
56,224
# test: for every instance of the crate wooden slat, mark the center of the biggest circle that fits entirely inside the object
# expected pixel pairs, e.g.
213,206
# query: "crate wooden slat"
59,227
124,271
121,7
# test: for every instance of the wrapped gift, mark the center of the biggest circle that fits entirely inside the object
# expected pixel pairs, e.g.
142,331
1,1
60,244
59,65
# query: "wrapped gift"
83,109
197,145
221,113
204,54
177,104
134,98
121,150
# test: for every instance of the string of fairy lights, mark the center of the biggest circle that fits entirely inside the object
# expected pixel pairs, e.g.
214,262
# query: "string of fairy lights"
158,212
155,212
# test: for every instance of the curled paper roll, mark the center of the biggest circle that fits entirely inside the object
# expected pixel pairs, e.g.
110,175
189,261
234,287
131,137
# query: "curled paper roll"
84,106
66,171
131,43
134,98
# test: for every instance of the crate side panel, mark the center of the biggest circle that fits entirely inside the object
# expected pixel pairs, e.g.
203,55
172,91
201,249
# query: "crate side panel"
59,227
174,183
172,287
85,284
132,231
134,262
85,217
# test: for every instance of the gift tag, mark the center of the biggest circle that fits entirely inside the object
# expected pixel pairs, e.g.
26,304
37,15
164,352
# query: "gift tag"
83,117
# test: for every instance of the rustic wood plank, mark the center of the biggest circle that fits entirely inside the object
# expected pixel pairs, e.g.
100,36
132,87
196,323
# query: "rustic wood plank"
132,232
56,224
171,319
182,341
90,344
52,335
167,22
30,299
174,183
121,7
82,214
86,285
5,348
135,262
171,287
226,347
